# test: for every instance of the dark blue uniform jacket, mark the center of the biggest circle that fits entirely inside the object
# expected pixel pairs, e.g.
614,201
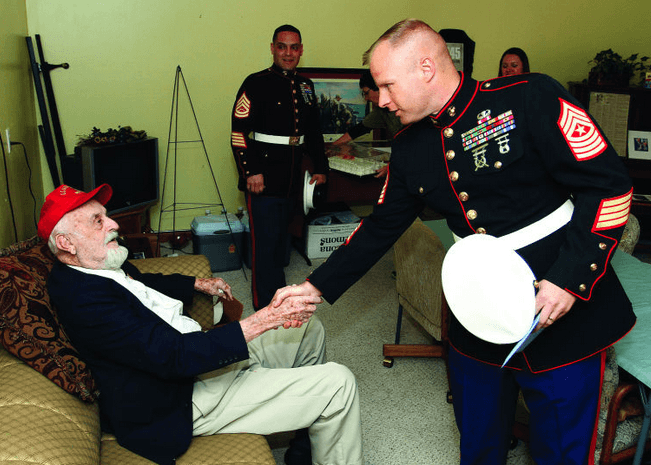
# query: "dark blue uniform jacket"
277,103
499,156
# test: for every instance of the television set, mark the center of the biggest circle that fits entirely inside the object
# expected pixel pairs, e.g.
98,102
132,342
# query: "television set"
131,169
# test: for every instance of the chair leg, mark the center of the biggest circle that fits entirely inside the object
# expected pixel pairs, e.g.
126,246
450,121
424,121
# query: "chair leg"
409,350
399,324
388,360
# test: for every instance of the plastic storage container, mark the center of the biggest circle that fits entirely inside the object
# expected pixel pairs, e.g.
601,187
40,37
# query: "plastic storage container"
220,238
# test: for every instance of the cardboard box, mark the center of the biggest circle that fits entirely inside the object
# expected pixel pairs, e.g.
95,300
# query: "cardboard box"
212,237
322,239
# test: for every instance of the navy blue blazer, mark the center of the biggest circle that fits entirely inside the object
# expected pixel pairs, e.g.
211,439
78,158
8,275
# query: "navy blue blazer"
144,368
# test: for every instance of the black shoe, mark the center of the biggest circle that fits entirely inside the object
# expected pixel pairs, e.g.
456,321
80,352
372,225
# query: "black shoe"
299,452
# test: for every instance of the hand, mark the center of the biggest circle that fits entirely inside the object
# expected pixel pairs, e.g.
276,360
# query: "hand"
381,172
213,286
305,289
343,139
296,310
318,178
255,183
291,313
552,303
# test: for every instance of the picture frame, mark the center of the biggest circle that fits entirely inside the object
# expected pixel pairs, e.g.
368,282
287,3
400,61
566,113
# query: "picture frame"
341,102
638,145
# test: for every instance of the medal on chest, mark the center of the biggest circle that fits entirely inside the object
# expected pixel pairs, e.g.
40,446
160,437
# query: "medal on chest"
488,129
306,92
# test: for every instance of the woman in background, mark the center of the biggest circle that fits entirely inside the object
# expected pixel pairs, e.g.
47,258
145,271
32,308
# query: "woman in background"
513,61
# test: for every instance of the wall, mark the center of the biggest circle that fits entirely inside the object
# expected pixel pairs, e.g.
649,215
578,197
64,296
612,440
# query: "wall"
123,56
17,113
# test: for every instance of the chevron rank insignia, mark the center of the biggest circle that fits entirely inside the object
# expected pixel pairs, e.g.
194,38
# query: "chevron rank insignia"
580,132
243,107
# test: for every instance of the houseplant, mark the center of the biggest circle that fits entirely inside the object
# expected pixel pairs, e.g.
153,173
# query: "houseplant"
609,68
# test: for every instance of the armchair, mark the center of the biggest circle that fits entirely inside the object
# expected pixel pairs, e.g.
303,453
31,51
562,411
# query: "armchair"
47,393
418,256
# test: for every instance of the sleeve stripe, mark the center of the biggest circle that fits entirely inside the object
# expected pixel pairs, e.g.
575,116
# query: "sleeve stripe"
238,140
613,213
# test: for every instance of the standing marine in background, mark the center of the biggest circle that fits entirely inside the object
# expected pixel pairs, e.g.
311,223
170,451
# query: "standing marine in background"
275,122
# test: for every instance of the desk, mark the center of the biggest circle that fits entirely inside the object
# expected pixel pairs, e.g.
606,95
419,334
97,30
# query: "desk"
633,353
353,190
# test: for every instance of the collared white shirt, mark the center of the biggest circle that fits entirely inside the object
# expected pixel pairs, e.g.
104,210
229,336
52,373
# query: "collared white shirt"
168,309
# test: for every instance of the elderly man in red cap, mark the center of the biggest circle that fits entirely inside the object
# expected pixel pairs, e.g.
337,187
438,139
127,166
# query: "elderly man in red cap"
161,378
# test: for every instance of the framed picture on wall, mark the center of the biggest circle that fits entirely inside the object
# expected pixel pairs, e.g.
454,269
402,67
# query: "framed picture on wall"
340,100
638,145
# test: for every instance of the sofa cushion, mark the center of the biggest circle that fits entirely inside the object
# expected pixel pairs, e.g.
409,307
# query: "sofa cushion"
217,449
29,328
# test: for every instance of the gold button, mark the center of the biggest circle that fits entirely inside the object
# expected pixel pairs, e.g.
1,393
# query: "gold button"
454,176
472,214
536,283
593,267
480,231
435,122
448,132
602,246
452,111
450,154
421,190
487,85
498,165
582,287
463,196
248,172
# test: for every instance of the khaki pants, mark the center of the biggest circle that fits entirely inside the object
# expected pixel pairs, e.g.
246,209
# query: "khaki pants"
285,386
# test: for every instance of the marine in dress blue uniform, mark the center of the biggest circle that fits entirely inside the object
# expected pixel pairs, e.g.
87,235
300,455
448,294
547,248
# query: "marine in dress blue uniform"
498,156
275,122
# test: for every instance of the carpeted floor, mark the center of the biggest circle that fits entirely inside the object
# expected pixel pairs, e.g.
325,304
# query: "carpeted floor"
405,417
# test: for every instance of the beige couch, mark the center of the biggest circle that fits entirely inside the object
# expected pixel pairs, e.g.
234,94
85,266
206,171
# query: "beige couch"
47,408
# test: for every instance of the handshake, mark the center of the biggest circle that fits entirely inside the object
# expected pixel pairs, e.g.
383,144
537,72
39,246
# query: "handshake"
290,307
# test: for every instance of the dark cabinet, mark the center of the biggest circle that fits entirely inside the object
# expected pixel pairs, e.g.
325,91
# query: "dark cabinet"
639,112
639,119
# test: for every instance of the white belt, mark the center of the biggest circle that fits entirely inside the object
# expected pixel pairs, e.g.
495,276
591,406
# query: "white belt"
538,230
280,140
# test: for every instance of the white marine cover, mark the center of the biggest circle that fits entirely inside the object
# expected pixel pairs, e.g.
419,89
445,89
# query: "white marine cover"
489,289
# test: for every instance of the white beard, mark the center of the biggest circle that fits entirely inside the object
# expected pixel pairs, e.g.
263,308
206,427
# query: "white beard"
115,258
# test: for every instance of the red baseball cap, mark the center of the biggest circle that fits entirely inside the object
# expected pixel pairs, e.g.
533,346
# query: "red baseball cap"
64,199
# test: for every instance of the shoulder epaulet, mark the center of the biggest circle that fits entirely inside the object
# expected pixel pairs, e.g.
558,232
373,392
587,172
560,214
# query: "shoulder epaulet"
508,81
402,130
262,72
